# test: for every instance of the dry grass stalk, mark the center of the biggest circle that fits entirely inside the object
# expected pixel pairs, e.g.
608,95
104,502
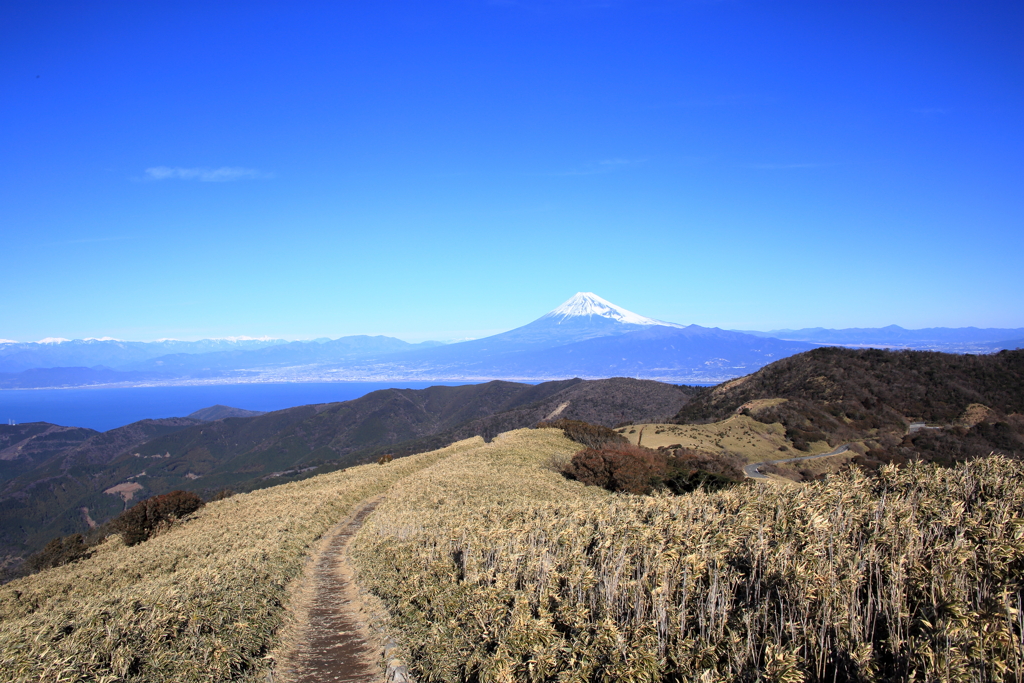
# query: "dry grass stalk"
201,602
496,569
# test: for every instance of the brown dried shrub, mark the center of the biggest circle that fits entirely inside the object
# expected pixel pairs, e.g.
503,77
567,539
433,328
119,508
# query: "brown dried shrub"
724,464
140,521
223,494
590,435
59,551
688,470
625,468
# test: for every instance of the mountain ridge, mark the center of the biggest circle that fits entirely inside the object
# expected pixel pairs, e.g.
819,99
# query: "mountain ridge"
900,405
220,412
109,470
984,340
585,336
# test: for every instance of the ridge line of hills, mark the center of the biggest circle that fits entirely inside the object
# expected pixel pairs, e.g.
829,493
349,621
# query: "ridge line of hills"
57,480
586,336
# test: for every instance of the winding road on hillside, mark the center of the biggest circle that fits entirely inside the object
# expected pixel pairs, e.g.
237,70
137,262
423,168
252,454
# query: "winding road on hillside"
753,471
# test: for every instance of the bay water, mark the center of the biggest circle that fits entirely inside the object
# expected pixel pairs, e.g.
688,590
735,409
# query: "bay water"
106,408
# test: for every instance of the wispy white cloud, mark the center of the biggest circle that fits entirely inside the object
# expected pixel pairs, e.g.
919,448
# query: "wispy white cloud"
204,175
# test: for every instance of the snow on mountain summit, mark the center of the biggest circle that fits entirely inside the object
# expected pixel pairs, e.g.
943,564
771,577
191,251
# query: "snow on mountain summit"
585,304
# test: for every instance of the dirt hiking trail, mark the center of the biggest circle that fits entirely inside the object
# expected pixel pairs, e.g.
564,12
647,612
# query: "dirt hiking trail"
333,643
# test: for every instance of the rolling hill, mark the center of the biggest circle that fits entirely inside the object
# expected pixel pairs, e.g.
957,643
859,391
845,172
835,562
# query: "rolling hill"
902,405
481,562
25,446
97,478
220,412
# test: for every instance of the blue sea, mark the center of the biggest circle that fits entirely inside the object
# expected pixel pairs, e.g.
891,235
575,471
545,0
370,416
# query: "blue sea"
103,409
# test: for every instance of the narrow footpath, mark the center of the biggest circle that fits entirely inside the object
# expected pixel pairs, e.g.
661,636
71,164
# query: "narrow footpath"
333,646
754,471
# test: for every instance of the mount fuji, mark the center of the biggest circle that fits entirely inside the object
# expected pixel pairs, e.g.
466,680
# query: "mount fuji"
584,316
590,337
587,337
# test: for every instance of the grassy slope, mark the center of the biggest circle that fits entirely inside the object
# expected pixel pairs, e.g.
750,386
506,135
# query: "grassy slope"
232,453
737,435
869,397
496,569
201,602
274,448
846,395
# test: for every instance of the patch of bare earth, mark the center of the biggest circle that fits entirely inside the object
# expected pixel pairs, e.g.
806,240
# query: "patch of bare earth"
127,490
329,640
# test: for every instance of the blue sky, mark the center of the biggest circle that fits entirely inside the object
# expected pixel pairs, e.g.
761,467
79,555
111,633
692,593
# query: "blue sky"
451,169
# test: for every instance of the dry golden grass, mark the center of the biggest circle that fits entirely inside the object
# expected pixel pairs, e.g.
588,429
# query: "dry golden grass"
495,569
200,602
758,404
738,435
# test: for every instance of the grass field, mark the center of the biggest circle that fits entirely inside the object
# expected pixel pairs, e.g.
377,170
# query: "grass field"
201,602
737,435
496,569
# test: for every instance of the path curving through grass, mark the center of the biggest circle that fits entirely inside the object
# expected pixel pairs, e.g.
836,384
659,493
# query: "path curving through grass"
334,646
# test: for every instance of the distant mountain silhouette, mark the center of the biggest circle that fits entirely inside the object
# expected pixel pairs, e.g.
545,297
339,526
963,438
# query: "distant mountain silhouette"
111,353
955,339
586,336
75,377
700,354
590,337
106,361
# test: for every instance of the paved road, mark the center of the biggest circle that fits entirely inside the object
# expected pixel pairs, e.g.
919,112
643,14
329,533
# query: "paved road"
753,471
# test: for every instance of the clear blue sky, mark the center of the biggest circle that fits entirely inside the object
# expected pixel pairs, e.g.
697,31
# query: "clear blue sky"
451,169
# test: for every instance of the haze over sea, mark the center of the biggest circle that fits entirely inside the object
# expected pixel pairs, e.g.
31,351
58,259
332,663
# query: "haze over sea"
107,408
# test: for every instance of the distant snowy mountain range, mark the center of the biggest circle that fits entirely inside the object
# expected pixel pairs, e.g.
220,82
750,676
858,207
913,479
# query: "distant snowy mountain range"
952,340
586,337
118,354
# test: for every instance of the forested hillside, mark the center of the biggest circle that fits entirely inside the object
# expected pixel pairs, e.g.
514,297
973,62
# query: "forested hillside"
73,489
907,404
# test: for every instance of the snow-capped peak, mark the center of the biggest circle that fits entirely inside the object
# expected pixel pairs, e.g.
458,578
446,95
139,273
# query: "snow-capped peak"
53,340
245,338
588,304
